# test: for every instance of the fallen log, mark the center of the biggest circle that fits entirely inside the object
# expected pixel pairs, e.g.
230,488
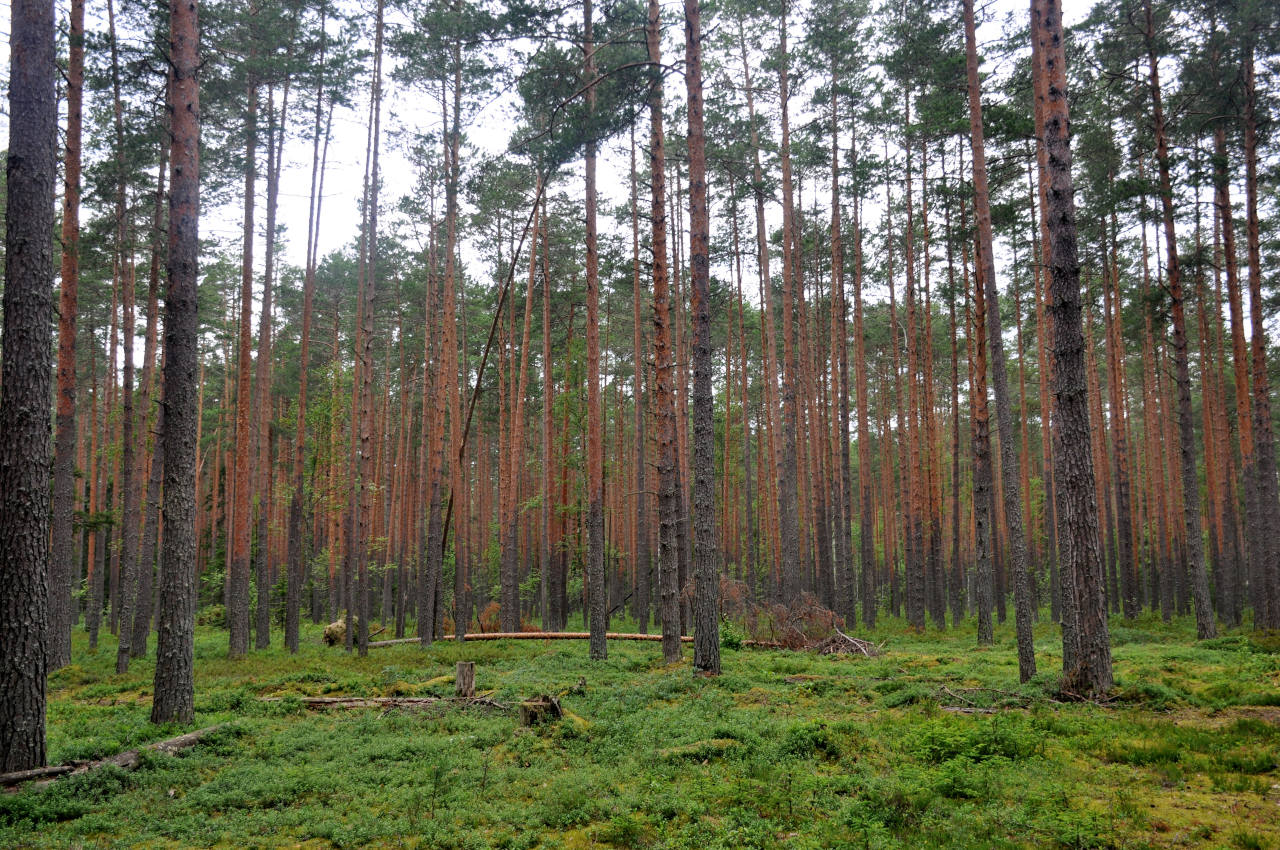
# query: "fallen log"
840,643
387,702
20,776
534,636
127,760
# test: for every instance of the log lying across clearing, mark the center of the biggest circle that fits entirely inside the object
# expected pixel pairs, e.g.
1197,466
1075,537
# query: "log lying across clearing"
386,702
127,760
840,643
532,636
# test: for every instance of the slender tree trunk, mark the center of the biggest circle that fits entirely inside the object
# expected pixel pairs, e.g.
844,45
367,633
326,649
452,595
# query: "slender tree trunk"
364,483
1004,414
262,377
1128,567
1205,627
151,502
296,551
93,577
238,597
1266,522
643,565
128,471
866,507
62,571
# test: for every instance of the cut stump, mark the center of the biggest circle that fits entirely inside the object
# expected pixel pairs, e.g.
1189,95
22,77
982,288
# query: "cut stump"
540,709
465,679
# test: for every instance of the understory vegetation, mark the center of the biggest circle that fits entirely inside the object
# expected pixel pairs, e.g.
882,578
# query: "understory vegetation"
931,744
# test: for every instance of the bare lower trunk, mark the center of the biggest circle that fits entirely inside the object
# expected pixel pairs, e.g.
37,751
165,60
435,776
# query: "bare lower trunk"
62,570
1023,601
706,566
175,642
1073,462
664,368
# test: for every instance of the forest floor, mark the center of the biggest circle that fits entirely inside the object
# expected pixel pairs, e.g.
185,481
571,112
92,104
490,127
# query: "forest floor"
933,744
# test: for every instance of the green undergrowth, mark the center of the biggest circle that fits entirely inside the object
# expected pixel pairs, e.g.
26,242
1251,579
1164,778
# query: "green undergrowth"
933,744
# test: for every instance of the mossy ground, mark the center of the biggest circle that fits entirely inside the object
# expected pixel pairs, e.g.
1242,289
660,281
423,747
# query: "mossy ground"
783,750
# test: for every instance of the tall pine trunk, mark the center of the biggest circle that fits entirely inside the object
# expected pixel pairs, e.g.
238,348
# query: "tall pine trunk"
664,367
175,643
1090,662
1004,413
25,400
238,596
1205,627
706,566
1265,523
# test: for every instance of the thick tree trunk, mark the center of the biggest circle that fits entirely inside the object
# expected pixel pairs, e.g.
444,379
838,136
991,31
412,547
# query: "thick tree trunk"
664,368
175,643
789,493
25,401
706,560
1090,672
982,474
594,568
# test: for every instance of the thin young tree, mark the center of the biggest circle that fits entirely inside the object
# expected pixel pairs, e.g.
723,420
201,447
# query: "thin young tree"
1004,414
62,563
1194,539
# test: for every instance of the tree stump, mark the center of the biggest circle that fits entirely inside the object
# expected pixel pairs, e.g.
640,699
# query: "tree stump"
465,679
539,709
